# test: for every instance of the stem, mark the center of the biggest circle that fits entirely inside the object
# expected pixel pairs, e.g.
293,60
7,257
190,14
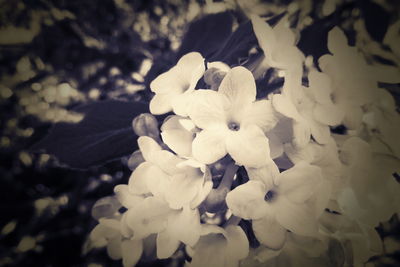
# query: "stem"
233,220
227,179
215,201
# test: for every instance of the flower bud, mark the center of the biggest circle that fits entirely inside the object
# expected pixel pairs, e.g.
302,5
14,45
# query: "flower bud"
215,74
146,124
135,160
105,207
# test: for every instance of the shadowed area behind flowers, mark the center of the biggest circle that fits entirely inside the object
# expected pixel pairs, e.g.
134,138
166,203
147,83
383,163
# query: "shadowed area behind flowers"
85,67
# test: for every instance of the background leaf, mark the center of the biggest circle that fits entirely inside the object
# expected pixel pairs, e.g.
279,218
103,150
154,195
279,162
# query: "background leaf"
376,19
104,134
206,35
237,46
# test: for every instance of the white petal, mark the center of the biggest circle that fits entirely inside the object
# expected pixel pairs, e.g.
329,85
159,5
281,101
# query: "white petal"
337,41
137,182
238,244
275,145
284,105
267,174
247,200
176,137
265,254
249,146
161,103
125,197
114,248
166,245
320,86
298,182
183,189
131,252
192,67
209,146
210,251
170,82
283,33
321,132
204,190
261,114
181,103
185,226
148,146
148,178
208,109
181,77
297,218
301,133
148,218
167,161
352,117
269,232
328,114
239,86
265,35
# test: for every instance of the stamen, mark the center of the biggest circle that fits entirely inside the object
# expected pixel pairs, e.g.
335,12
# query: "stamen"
269,196
233,126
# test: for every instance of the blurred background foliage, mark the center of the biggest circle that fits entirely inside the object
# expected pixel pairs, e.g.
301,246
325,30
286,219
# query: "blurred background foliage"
56,55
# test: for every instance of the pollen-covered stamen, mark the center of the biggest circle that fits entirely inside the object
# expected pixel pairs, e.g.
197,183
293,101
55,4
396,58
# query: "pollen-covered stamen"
270,196
233,126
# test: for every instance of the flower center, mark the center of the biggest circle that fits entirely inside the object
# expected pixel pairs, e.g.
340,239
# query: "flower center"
270,196
233,126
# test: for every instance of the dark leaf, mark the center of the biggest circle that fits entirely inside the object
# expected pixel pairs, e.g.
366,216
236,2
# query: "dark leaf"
206,35
376,19
237,46
104,134
314,38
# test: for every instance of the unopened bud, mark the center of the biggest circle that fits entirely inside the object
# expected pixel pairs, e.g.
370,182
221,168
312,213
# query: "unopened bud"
215,74
146,124
135,160
105,207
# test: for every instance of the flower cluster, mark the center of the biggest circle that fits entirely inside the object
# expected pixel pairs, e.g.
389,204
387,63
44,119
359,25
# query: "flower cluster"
234,178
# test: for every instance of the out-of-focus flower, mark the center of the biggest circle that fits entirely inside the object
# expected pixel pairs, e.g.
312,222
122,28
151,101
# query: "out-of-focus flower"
176,83
153,216
324,110
278,44
354,81
232,121
278,204
297,251
222,247
383,122
108,233
293,103
372,192
324,156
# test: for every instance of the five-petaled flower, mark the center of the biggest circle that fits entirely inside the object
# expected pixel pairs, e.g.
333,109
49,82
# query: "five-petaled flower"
232,121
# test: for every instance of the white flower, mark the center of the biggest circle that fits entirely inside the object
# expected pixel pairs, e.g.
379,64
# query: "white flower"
278,44
153,216
178,133
372,192
109,233
232,121
278,203
220,247
176,83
